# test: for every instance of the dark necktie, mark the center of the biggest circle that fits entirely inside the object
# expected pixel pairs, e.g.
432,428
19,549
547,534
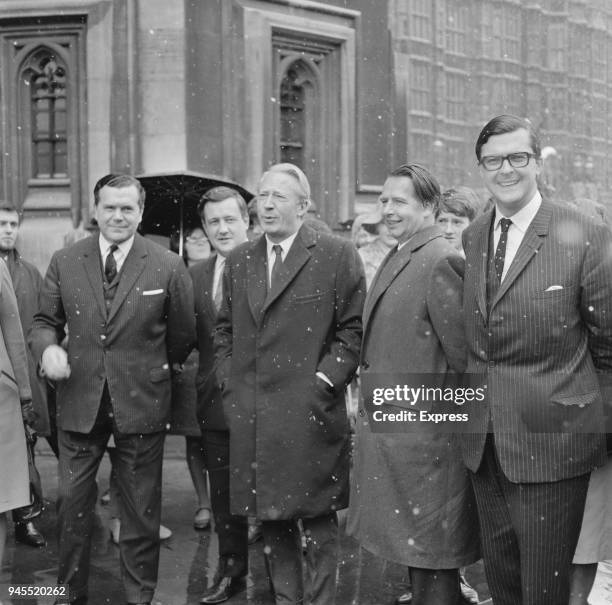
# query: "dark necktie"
500,252
277,267
110,265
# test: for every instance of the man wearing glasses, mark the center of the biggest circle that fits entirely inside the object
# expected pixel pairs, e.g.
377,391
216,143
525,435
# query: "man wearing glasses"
538,312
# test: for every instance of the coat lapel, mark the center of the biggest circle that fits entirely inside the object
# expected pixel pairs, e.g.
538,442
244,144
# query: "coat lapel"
532,241
133,266
392,266
208,279
478,256
93,270
296,258
257,278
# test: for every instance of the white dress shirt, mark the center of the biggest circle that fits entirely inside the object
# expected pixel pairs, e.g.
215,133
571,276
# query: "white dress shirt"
285,247
219,266
516,232
120,253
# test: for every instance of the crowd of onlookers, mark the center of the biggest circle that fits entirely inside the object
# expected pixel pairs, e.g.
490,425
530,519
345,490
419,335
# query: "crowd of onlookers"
256,343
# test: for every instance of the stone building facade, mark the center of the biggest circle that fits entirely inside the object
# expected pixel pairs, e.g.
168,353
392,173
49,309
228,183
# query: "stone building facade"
344,88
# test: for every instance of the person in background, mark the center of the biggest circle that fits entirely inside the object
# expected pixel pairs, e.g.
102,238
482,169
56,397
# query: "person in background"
16,408
128,306
374,252
225,217
458,207
287,344
362,234
196,248
27,282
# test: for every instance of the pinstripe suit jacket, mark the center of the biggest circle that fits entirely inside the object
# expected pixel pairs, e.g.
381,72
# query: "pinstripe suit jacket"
541,345
149,327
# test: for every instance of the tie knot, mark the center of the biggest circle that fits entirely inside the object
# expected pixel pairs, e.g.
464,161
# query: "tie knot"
278,251
505,224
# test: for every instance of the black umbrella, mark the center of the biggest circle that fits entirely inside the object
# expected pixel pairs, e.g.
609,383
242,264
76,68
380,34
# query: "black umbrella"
171,203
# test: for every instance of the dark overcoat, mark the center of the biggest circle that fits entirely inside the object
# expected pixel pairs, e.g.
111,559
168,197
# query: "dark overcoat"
209,409
289,433
411,499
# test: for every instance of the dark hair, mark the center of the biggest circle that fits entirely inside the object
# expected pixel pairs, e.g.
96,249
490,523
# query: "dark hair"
503,125
119,181
6,206
460,201
426,187
218,194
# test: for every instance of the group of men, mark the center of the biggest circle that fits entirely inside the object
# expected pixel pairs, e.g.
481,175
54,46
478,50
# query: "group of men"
279,328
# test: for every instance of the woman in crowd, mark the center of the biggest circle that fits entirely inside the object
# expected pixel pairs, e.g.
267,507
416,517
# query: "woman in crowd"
196,248
15,407
373,253
458,207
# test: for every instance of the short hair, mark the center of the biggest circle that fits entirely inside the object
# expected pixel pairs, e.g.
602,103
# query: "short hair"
296,173
505,124
220,193
119,181
426,187
6,206
460,201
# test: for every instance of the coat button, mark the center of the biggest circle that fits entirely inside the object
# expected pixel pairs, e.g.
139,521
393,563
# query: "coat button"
102,336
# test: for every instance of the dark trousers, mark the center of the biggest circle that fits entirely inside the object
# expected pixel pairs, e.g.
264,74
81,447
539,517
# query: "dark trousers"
529,533
138,466
283,541
232,530
435,586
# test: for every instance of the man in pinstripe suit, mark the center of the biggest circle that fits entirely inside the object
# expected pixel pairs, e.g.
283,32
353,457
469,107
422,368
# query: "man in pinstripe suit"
127,304
538,312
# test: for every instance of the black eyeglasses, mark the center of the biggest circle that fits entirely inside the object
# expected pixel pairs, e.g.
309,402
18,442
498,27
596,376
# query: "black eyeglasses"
520,159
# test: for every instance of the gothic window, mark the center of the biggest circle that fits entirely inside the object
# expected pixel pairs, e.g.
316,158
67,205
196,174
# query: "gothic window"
45,78
420,93
296,91
456,29
421,20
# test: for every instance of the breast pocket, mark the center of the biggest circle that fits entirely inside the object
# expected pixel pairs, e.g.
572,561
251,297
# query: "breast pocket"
306,299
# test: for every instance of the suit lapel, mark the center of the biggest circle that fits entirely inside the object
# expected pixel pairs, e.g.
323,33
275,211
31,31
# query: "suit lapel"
257,278
532,241
133,266
296,258
93,270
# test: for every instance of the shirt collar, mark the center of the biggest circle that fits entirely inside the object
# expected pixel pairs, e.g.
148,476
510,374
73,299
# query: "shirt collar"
285,245
522,219
124,247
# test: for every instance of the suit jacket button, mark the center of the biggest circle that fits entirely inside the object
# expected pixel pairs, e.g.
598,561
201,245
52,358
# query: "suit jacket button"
102,336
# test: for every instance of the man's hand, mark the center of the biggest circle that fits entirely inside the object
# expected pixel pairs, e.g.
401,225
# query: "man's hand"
54,363
27,412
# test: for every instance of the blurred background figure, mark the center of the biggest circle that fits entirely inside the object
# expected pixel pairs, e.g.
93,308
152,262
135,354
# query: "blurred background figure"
378,246
458,207
16,408
362,234
196,248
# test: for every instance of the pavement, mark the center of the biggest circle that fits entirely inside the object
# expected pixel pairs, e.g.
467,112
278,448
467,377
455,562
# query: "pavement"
188,558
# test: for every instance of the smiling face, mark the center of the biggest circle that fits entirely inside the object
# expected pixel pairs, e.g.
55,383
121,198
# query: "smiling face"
511,188
118,212
280,205
225,225
403,213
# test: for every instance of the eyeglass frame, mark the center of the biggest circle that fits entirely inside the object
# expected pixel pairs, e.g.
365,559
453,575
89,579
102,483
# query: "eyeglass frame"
508,157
